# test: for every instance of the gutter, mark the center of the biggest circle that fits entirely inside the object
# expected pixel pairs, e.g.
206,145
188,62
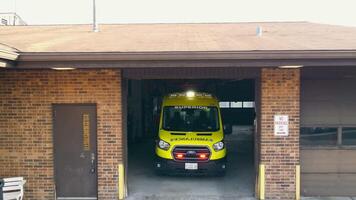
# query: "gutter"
186,55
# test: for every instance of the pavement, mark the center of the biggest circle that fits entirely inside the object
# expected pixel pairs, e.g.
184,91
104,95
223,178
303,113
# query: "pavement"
187,197
238,183
144,184
328,198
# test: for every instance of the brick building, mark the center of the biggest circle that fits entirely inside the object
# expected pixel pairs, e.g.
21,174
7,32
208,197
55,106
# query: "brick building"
50,74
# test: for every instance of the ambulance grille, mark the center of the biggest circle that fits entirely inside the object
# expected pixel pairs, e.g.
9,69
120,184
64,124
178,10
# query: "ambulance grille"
192,154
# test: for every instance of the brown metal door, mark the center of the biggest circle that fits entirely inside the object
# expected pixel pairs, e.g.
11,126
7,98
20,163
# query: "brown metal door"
75,151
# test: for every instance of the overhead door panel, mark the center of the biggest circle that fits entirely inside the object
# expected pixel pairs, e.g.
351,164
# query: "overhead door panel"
328,102
328,106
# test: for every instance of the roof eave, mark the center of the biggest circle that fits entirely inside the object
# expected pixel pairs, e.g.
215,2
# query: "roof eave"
183,55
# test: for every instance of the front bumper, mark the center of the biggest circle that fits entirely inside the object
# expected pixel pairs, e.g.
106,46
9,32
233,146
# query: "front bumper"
174,167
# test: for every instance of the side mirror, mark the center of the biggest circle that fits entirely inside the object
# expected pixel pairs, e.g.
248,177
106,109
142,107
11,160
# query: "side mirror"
227,129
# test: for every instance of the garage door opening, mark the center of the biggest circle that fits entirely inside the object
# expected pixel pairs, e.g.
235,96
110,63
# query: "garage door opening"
237,104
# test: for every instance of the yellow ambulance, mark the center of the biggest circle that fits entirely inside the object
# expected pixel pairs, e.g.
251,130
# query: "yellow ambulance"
191,135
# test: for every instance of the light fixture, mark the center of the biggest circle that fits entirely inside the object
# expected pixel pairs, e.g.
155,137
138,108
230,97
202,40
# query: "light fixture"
63,68
190,94
4,64
290,66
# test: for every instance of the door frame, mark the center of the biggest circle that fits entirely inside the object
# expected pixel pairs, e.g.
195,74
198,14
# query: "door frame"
124,97
53,105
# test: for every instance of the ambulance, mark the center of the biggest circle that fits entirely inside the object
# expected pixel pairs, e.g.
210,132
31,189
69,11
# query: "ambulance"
191,135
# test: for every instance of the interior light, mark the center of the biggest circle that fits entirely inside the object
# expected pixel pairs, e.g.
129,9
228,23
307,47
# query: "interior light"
63,68
290,66
190,94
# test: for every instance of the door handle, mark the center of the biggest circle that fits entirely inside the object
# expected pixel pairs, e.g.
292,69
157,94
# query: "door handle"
92,159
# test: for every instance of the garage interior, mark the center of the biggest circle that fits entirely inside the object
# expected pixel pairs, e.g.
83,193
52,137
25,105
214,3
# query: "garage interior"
236,96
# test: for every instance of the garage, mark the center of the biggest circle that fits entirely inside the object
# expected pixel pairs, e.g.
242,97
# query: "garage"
237,103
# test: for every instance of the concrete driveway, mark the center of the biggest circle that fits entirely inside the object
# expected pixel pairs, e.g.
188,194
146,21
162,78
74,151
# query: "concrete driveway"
238,183
328,198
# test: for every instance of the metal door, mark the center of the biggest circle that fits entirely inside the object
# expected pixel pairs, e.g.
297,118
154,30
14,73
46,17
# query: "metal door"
75,151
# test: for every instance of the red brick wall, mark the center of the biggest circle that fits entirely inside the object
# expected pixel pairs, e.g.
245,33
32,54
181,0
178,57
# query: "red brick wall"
280,91
26,147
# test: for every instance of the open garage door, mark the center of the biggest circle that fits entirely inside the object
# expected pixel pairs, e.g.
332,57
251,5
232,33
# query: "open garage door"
237,97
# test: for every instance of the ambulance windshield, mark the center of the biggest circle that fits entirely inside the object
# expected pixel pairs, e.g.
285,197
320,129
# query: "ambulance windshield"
190,118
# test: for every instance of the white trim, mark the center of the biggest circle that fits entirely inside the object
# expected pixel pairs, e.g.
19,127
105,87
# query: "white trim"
8,55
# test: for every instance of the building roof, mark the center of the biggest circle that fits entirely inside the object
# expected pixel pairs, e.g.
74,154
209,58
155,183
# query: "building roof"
178,37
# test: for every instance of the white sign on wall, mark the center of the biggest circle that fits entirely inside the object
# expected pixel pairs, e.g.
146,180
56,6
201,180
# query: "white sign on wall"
281,125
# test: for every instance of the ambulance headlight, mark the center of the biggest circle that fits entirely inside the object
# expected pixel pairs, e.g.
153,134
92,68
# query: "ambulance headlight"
163,145
219,146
